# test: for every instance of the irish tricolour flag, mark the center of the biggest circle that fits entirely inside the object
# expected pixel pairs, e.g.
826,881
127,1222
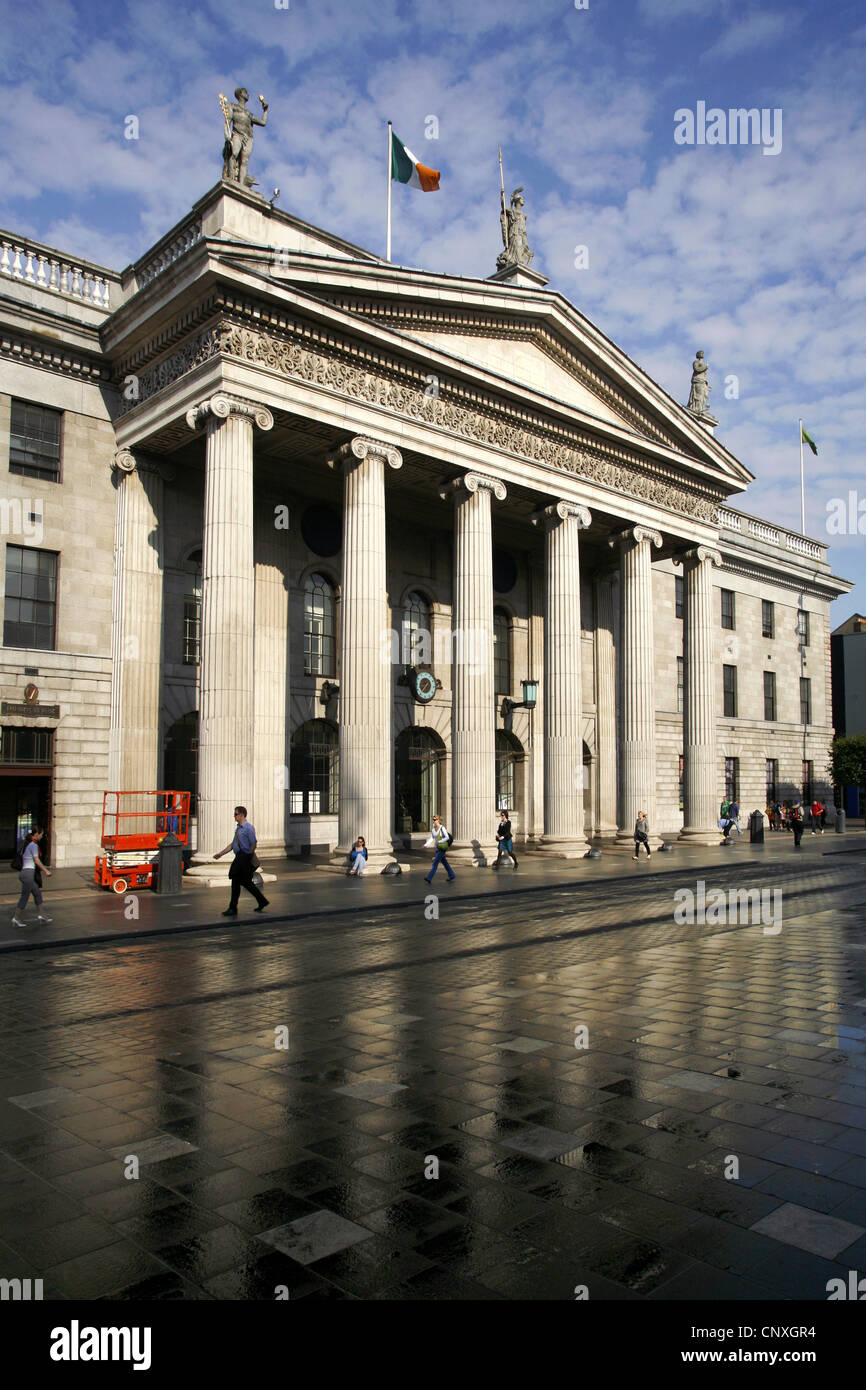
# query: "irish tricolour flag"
405,168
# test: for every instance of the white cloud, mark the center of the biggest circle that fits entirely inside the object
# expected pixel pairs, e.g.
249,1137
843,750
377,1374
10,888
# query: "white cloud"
755,31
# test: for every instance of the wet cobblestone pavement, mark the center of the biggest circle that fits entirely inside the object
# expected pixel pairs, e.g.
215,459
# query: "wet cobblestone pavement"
418,1044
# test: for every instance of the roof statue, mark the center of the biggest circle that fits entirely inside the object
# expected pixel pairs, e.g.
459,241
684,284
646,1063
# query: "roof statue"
513,222
238,145
699,394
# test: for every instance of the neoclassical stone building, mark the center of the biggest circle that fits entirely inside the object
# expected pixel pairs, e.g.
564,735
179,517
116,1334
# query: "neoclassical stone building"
286,524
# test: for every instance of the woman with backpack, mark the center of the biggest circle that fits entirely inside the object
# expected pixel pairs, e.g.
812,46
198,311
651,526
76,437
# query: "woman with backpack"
440,841
30,875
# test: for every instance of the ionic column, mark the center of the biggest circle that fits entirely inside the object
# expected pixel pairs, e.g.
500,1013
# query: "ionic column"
638,760
271,671
136,626
473,727
563,734
226,712
365,677
605,706
699,697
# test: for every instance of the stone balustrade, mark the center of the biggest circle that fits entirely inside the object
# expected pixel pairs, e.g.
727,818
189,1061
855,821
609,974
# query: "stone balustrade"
167,254
41,267
770,535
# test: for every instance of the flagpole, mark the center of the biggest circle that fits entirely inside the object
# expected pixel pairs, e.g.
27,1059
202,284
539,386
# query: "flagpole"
388,234
802,487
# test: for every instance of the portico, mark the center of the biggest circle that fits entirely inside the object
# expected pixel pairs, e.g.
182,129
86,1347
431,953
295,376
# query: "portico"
563,486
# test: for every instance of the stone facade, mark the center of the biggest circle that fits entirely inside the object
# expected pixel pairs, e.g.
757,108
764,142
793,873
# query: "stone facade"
318,516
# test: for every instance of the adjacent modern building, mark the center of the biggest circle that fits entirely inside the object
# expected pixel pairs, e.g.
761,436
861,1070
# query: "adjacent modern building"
848,663
350,542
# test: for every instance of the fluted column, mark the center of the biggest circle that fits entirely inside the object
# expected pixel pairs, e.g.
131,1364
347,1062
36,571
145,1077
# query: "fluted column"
699,697
225,766
563,733
136,627
638,760
271,669
473,726
605,705
365,677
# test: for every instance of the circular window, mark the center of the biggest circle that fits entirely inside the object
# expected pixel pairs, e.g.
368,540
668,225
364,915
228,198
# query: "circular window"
504,570
322,529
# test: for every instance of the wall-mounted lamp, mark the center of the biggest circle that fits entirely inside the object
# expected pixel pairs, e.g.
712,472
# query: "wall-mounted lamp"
530,696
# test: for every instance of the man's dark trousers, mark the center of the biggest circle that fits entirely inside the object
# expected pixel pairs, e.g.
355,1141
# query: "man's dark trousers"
241,875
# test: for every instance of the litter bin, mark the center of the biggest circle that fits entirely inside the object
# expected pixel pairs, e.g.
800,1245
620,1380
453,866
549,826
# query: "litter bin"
840,822
756,828
169,864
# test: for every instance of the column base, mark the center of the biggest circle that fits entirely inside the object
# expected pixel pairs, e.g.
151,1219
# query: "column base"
564,849
700,835
625,840
376,862
473,854
216,874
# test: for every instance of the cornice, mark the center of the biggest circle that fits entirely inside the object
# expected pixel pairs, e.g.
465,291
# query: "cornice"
818,585
261,334
51,358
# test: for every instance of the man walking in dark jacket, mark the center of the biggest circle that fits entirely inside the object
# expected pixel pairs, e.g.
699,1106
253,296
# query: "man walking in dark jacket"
243,867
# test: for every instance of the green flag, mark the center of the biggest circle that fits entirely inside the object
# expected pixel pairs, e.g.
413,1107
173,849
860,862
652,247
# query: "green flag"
807,439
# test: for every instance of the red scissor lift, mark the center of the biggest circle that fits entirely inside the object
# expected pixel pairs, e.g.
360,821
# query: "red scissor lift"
133,823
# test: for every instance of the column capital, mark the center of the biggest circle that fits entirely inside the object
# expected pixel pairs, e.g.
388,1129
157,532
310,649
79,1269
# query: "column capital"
220,406
637,534
473,482
361,447
563,511
125,461
699,554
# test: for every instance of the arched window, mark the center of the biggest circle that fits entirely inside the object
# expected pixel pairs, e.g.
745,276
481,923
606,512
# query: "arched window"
314,774
417,760
319,627
509,753
501,652
415,639
192,612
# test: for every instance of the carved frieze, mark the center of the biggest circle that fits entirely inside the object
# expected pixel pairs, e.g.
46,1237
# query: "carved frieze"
381,386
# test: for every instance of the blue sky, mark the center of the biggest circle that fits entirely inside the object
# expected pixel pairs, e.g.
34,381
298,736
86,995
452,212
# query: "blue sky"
758,259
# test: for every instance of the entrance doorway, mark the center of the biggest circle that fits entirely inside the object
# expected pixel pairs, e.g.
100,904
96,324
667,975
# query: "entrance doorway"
419,753
26,780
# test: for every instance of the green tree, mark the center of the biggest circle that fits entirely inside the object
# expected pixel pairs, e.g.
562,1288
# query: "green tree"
848,761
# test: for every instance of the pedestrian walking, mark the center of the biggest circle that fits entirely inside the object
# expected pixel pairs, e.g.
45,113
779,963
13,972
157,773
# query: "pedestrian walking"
734,814
504,840
439,841
797,824
244,863
358,856
641,835
30,878
818,816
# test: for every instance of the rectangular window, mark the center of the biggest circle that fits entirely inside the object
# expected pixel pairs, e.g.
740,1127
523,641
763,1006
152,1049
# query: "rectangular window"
771,777
34,441
729,678
680,683
31,601
29,746
805,700
192,629
768,618
679,595
808,779
732,779
770,695
728,609
803,627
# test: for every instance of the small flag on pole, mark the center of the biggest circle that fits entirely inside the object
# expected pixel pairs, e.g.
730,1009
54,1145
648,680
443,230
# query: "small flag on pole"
405,168
807,439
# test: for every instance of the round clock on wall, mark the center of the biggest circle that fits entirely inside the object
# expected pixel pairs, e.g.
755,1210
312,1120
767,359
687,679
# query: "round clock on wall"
423,686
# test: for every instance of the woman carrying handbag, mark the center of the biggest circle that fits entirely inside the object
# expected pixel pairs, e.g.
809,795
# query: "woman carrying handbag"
30,876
